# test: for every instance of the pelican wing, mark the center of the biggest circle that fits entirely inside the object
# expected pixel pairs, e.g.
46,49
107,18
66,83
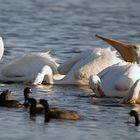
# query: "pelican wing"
120,78
67,66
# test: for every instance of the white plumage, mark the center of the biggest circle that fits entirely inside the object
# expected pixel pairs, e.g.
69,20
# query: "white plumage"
26,67
78,69
119,80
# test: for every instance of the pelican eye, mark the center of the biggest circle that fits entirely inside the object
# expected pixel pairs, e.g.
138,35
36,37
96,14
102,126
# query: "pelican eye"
135,47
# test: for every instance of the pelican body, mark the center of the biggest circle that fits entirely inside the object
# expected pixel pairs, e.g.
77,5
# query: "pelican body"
25,68
77,70
119,80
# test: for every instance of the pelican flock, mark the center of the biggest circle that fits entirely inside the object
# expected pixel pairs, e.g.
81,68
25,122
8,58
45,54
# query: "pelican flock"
100,68
39,67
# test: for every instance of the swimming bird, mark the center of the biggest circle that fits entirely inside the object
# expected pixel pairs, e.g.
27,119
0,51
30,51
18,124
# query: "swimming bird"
136,116
7,101
77,70
25,68
32,103
129,52
33,108
56,113
118,80
27,95
6,95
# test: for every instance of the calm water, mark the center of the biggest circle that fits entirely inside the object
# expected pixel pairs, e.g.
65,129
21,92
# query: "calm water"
66,28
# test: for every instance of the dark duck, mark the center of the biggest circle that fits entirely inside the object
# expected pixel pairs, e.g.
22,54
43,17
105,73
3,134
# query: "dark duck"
56,113
27,95
6,100
136,116
50,113
35,108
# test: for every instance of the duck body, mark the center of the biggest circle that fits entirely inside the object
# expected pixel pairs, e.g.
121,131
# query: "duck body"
50,113
56,113
10,104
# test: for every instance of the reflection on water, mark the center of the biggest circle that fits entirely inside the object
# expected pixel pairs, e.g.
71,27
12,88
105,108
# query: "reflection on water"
66,28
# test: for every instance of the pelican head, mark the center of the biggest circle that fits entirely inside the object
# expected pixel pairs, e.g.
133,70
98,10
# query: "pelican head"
129,52
95,85
1,47
135,115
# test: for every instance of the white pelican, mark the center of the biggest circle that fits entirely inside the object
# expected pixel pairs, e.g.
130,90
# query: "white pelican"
26,67
80,68
119,80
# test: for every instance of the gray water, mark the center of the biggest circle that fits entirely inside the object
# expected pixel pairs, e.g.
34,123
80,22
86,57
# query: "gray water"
66,28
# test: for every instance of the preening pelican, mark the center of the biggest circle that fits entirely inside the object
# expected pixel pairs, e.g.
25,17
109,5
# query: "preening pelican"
26,67
80,68
129,52
118,80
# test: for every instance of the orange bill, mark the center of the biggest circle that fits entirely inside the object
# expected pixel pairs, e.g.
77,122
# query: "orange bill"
123,48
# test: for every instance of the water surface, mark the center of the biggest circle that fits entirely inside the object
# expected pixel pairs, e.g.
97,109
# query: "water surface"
66,28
